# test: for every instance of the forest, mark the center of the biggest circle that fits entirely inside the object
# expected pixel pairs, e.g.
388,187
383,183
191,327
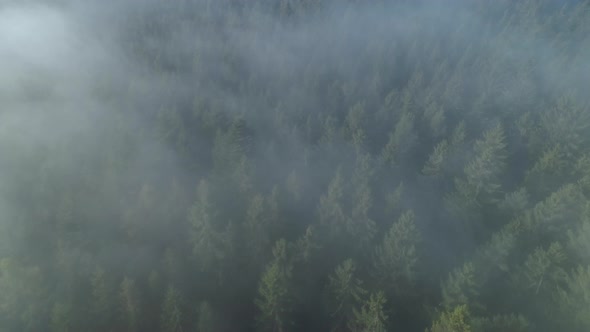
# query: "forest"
295,165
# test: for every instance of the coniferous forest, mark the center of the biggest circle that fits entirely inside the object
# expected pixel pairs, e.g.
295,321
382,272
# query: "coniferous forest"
295,165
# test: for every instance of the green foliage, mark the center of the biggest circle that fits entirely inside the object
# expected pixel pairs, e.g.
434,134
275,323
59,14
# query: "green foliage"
567,123
542,269
483,172
435,162
346,292
130,310
331,212
481,183
455,320
360,225
275,299
397,257
574,300
307,127
515,202
259,227
307,245
461,287
401,140
563,206
207,240
548,172
371,317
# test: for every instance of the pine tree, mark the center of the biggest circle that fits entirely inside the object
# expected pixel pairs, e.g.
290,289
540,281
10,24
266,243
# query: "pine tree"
206,320
548,173
434,164
206,240
455,320
258,227
102,299
61,318
346,292
514,203
397,257
542,269
434,116
556,212
371,317
461,287
171,318
567,124
331,212
481,182
573,299
307,245
483,172
361,226
274,299
401,140
129,305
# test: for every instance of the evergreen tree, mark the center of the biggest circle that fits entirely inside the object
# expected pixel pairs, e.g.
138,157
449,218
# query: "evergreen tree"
542,269
346,292
331,211
102,299
397,257
456,320
371,317
274,299
207,240
171,318
129,305
436,159
461,287
483,172
206,321
61,317
574,301
401,140
258,228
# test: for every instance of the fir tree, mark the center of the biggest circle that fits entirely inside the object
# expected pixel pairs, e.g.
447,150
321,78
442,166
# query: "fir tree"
397,257
371,317
274,299
346,292
171,318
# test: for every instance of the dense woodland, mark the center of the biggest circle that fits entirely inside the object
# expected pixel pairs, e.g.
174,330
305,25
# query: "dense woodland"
306,165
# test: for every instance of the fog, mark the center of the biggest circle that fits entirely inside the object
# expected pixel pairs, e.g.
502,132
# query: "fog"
163,149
